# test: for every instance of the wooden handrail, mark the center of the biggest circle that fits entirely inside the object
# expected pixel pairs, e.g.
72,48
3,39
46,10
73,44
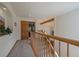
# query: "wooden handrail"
47,21
66,40
52,48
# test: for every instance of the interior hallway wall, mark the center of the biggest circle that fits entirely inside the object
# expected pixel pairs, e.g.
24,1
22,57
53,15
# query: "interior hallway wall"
67,26
8,41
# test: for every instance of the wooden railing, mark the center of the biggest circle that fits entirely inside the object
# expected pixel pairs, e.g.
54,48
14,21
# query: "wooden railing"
47,21
43,44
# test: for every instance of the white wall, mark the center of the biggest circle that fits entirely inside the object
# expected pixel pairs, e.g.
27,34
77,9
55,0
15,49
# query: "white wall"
7,41
48,27
67,26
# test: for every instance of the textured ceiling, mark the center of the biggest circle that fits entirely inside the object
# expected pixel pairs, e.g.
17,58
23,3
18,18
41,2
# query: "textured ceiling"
42,9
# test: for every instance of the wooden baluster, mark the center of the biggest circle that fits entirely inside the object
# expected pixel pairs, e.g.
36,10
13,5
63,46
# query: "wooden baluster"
53,43
45,47
48,54
59,49
67,50
49,48
39,42
49,51
54,47
41,45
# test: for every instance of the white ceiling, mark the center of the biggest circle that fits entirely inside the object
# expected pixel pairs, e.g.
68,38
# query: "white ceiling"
42,9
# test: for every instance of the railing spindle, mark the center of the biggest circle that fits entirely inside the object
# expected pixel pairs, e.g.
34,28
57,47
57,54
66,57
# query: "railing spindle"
59,48
67,50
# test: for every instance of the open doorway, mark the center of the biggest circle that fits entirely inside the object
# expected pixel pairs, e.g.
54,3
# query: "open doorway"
31,27
26,27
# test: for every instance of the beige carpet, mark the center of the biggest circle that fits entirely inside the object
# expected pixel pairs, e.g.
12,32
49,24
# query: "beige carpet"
21,49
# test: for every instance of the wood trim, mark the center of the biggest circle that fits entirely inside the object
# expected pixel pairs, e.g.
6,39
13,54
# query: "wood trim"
66,40
47,21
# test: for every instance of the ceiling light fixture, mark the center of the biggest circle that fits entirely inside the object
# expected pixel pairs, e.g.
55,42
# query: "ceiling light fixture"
4,8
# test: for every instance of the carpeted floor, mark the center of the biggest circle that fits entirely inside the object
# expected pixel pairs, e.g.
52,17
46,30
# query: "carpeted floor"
22,48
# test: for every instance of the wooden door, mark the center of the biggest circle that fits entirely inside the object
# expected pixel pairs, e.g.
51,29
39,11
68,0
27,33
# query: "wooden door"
24,30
